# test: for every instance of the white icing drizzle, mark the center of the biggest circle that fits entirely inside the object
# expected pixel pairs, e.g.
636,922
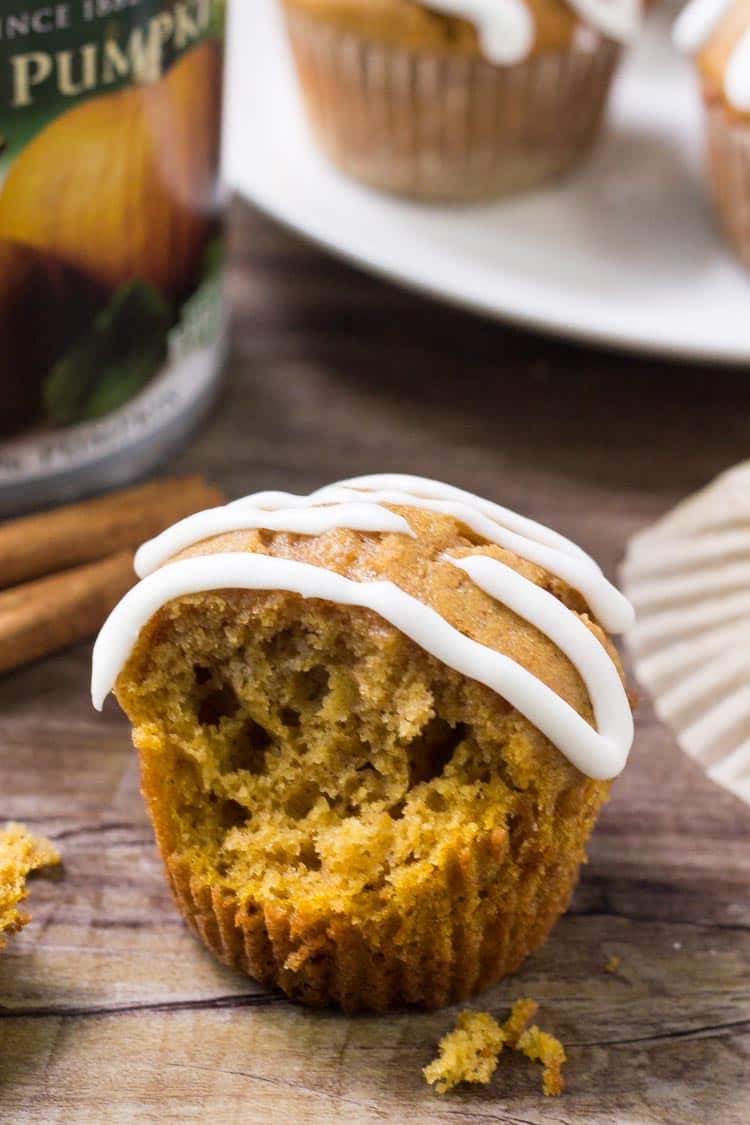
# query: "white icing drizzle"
582,574
358,505
697,22
618,19
346,505
506,27
614,718
438,490
239,517
524,537
694,27
601,756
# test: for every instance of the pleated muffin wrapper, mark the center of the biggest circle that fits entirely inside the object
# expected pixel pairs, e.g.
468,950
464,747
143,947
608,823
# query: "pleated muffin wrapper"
729,162
464,930
449,127
689,579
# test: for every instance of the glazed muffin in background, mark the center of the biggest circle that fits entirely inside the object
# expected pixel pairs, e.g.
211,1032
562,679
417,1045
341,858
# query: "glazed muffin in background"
347,803
457,100
717,33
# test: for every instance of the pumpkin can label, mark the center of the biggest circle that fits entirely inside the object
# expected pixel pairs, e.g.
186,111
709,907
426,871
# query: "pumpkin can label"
111,241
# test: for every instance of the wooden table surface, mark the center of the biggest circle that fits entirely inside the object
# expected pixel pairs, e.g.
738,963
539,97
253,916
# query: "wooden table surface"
111,1011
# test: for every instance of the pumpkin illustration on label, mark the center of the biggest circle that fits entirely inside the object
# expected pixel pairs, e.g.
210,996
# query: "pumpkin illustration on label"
123,187
113,326
36,290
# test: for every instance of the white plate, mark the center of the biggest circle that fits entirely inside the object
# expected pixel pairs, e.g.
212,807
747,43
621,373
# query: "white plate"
624,253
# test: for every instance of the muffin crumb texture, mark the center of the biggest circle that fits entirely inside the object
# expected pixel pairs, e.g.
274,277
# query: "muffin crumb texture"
470,1052
20,853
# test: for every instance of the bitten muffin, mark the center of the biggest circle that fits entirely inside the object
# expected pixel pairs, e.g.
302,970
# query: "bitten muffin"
718,34
456,99
347,802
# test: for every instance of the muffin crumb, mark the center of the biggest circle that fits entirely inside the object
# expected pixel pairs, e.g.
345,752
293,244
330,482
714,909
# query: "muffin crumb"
521,1015
469,1053
20,853
539,1046
612,965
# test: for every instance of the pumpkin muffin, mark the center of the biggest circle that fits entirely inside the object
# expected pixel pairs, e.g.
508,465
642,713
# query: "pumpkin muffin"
346,804
718,35
456,99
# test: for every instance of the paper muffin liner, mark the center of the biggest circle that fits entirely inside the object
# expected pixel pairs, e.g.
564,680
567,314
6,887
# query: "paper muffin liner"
458,939
729,162
449,127
689,579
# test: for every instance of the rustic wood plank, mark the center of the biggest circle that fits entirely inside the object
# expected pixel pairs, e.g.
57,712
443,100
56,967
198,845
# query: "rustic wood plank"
286,1065
110,1011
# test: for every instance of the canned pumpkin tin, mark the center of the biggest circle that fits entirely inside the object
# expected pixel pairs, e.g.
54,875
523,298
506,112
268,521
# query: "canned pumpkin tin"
111,315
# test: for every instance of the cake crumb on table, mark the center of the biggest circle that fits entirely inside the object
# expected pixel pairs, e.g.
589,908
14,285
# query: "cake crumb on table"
538,1045
521,1015
20,853
470,1052
613,964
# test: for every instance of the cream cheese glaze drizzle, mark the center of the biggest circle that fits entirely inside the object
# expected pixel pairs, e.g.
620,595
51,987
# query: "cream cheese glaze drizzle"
694,27
359,504
506,28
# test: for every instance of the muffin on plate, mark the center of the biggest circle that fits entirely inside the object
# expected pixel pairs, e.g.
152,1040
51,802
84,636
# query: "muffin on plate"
717,33
376,725
457,99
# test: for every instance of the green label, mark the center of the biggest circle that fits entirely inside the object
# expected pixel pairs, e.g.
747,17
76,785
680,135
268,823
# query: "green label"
110,234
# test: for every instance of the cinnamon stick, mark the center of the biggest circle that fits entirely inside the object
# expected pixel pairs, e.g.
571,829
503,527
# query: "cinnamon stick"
40,617
93,529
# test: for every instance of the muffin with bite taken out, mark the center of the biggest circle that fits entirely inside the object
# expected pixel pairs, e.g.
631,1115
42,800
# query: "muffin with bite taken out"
376,725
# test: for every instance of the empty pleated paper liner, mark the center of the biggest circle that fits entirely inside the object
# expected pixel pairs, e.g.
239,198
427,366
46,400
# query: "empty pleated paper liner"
376,725
689,580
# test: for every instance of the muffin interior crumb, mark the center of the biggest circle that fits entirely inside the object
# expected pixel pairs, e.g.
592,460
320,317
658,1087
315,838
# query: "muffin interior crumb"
307,758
